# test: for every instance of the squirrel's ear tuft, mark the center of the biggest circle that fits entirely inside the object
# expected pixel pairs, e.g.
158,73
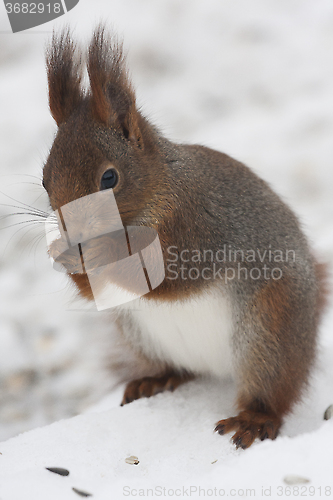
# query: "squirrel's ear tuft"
64,76
113,98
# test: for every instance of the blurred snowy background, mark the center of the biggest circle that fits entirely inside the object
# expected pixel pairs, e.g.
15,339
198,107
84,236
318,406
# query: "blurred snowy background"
252,79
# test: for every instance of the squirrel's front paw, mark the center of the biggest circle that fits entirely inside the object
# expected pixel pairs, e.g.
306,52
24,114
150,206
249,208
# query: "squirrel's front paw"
249,425
149,386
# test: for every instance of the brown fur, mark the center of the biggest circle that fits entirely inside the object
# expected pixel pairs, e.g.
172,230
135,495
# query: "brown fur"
113,99
64,77
324,286
149,386
277,365
249,425
196,199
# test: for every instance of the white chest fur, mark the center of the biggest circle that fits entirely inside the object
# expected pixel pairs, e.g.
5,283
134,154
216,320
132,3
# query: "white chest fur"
194,334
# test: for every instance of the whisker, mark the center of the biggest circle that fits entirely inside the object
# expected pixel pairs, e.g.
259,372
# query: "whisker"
44,193
23,222
21,207
16,232
32,213
24,182
5,216
21,175
35,242
21,202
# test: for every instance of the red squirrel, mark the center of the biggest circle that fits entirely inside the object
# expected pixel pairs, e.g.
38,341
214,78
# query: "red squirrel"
242,293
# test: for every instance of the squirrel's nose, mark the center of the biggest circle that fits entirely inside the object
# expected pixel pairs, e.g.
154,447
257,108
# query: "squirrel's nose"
77,237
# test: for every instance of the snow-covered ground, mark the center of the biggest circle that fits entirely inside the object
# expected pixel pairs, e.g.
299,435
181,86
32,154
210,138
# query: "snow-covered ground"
252,79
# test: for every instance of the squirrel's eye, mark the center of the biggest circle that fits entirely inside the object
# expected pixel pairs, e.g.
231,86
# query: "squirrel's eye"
109,179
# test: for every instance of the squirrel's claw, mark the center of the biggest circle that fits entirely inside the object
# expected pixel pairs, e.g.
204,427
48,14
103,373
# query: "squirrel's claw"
249,425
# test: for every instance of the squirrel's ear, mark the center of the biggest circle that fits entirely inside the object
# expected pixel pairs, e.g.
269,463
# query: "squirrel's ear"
113,98
64,76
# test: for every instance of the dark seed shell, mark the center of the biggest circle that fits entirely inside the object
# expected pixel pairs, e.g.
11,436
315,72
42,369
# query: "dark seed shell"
82,493
58,470
328,413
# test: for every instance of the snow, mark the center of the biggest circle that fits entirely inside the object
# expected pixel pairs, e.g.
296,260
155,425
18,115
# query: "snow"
251,79
172,437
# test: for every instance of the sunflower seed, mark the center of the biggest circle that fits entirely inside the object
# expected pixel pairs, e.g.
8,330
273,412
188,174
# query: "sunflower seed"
58,470
132,460
82,493
293,479
328,413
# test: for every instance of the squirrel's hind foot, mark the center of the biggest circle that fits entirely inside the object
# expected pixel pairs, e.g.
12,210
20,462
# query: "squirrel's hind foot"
249,425
150,386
